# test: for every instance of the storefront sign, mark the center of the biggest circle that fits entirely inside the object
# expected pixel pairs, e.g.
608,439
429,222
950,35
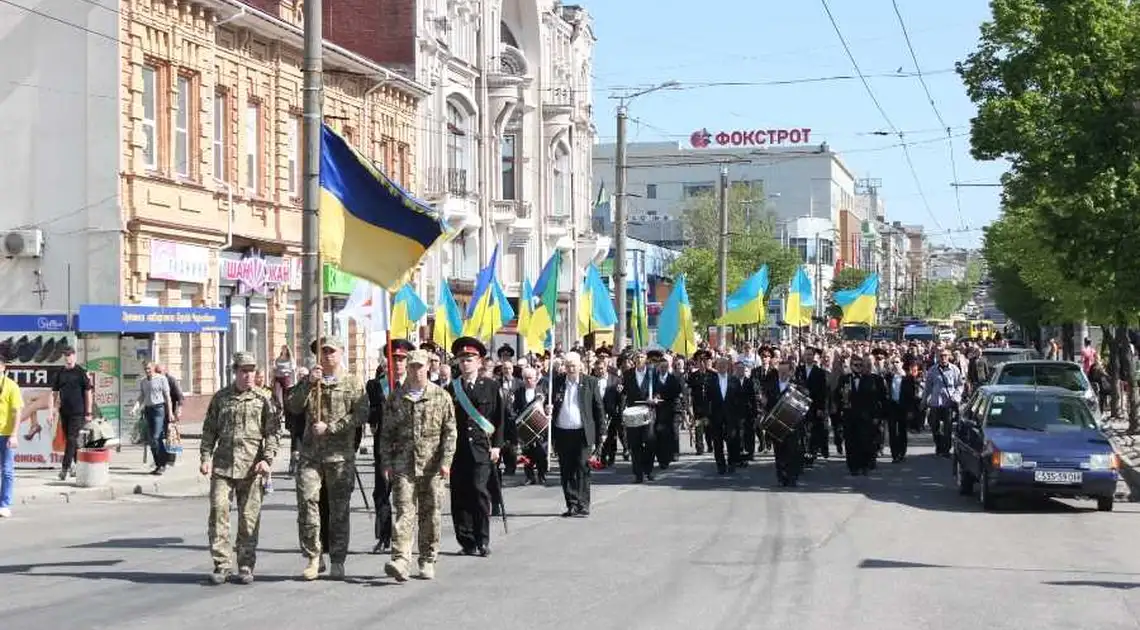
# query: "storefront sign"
255,274
54,322
101,358
179,262
758,137
338,282
111,318
33,360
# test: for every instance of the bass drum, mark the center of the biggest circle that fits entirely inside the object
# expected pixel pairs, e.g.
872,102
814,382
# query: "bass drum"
788,414
532,424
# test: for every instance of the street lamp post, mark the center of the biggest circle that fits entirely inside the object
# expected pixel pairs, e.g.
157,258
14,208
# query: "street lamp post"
620,223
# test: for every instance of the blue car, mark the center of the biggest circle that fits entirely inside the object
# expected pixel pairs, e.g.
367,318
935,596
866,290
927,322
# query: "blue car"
1032,441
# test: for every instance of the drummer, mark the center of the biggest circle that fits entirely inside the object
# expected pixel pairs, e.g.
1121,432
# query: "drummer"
532,451
789,450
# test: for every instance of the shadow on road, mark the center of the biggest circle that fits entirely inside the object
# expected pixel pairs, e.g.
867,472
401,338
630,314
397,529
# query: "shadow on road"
1119,586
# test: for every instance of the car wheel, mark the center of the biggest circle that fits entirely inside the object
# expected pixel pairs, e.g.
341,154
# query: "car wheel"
965,480
1104,504
984,491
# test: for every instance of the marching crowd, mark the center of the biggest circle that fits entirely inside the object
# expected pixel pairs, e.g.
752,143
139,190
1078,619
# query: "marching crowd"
464,419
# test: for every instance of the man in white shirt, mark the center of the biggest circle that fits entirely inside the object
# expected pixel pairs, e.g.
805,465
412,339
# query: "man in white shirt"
578,417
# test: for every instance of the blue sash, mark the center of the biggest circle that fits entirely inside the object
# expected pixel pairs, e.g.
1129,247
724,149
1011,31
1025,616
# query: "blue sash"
465,402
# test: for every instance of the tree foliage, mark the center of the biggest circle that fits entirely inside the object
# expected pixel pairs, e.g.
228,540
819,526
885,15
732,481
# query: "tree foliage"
1057,96
938,299
751,244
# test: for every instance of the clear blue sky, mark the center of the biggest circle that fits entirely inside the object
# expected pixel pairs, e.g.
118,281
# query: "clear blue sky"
646,42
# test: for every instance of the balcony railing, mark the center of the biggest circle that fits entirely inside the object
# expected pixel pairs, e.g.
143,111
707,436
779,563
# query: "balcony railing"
457,184
447,181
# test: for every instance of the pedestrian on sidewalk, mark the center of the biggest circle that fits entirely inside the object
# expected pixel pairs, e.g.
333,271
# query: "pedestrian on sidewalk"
158,410
416,445
10,403
72,394
240,437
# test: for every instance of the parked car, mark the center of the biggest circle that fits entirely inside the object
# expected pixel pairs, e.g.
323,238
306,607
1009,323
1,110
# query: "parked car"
1043,373
1032,441
996,356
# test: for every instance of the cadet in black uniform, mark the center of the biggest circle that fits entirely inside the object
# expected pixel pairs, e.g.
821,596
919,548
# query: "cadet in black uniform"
378,389
479,418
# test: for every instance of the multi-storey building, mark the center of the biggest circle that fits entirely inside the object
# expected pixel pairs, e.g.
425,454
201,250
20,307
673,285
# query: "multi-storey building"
506,135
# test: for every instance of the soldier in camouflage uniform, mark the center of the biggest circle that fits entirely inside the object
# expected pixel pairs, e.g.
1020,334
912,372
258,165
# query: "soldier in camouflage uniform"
334,406
239,442
417,443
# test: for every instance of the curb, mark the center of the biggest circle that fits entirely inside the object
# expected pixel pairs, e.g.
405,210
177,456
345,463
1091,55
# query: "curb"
160,488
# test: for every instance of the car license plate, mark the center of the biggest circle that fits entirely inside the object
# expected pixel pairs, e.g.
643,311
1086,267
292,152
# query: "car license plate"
1055,476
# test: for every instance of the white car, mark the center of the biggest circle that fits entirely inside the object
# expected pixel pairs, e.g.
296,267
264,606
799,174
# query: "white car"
1043,373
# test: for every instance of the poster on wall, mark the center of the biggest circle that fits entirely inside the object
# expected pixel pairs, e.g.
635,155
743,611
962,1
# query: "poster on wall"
33,359
134,353
101,358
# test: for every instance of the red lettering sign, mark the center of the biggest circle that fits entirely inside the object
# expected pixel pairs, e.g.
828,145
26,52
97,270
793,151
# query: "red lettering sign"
702,139
254,275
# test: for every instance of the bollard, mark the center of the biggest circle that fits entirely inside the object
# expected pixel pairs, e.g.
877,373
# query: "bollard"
93,469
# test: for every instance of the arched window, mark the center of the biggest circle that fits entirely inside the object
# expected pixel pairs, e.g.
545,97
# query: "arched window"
560,183
506,36
458,149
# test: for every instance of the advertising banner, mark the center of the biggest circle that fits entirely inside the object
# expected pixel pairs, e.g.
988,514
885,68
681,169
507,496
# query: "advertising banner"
101,358
33,359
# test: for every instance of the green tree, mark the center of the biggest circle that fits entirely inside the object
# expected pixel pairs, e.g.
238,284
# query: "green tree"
938,299
847,278
751,244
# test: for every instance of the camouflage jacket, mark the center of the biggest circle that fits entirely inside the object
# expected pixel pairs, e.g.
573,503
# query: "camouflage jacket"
240,429
343,407
418,436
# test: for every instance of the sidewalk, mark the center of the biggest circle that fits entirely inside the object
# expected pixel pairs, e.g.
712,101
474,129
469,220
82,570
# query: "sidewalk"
129,475
1127,448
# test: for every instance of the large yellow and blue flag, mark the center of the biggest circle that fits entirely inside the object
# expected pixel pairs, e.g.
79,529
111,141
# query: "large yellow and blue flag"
675,328
489,310
545,294
595,307
448,324
800,302
747,305
407,310
859,304
534,324
370,227
639,315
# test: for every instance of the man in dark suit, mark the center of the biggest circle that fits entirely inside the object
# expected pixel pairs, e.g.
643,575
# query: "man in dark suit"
667,388
479,418
813,378
535,450
578,421
725,403
867,394
789,450
640,389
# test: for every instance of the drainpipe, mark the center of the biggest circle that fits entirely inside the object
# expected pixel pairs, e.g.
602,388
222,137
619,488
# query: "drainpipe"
229,212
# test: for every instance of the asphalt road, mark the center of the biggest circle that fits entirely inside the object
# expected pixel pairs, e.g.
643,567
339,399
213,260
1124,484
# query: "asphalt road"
897,550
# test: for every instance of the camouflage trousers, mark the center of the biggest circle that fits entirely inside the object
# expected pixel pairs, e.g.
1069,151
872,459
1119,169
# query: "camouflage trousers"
248,493
339,480
416,505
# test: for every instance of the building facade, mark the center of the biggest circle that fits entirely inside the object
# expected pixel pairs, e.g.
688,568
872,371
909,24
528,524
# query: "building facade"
506,137
211,163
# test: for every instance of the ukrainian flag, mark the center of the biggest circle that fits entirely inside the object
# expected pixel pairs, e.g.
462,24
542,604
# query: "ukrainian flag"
448,320
489,310
407,310
675,328
545,295
639,324
370,227
859,304
534,324
800,302
595,307
747,304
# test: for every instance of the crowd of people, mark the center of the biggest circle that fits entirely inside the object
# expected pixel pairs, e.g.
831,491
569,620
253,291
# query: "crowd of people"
461,418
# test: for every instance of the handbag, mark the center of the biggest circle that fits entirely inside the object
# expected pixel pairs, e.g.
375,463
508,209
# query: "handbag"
173,443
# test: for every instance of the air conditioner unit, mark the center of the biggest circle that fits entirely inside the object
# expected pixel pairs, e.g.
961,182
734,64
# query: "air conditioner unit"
23,243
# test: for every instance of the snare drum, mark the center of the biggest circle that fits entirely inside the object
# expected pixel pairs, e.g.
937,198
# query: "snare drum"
637,416
788,414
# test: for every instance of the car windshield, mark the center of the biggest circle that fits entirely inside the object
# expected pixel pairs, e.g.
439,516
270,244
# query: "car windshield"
1043,375
1039,412
994,358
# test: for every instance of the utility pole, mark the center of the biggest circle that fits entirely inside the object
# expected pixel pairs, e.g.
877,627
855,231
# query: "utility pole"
312,315
620,230
722,257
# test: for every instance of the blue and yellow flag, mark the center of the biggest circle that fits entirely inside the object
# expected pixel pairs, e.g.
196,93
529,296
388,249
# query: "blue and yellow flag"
407,310
534,323
747,305
545,293
859,304
370,227
800,301
488,310
448,324
595,307
639,315
675,328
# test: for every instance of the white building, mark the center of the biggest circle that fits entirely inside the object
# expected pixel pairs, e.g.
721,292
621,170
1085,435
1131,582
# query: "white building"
808,189
507,140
